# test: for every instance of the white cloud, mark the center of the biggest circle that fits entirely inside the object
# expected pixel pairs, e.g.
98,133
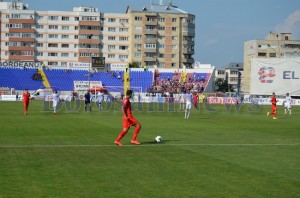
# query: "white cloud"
291,25
211,41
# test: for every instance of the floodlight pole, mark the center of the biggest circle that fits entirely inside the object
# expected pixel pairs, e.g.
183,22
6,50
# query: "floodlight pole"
90,61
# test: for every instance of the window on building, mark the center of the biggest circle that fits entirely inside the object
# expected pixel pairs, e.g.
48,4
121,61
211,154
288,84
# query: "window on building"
65,27
161,46
53,18
111,29
174,55
64,18
174,29
123,21
262,54
272,55
52,54
138,27
65,45
161,28
111,47
64,64
137,18
111,20
174,19
161,37
53,35
122,38
161,19
111,38
136,45
174,46
174,38
123,47
64,36
53,27
111,55
137,36
150,45
161,55
123,29
76,18
137,55
173,64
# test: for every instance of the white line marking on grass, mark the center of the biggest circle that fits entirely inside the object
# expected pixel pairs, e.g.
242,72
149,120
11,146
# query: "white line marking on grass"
142,145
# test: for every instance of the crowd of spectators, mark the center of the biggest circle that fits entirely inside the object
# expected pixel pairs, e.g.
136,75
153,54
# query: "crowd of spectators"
177,84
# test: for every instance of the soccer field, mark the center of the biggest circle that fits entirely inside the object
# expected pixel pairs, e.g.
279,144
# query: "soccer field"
216,153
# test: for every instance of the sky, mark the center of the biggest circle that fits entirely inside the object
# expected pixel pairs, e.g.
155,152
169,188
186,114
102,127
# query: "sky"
222,26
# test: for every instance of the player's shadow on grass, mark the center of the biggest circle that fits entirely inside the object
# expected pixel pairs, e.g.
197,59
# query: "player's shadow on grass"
164,141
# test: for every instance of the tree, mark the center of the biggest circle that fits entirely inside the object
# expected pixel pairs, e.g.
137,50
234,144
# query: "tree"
223,86
133,65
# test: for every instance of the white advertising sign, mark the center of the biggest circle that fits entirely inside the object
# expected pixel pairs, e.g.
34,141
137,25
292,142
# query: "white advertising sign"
275,75
84,85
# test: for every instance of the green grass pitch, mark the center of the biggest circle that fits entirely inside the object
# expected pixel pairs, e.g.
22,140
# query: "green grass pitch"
220,153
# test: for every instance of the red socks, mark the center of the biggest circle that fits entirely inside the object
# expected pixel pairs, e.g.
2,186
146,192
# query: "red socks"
122,133
136,132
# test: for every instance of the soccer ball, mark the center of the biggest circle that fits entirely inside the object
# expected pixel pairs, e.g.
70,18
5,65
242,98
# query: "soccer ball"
158,139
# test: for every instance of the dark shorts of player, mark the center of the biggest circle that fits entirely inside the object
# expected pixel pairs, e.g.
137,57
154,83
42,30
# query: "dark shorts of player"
131,121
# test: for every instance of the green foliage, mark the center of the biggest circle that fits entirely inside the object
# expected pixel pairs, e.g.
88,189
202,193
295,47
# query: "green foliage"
215,153
223,86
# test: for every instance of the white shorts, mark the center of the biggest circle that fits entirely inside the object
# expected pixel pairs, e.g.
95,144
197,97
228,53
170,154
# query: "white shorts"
54,103
188,106
287,105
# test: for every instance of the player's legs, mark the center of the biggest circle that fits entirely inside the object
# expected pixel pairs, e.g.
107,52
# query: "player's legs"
54,107
137,129
126,126
187,111
26,104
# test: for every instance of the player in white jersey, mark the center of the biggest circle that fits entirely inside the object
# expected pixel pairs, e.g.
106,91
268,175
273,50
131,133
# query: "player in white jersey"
188,104
287,104
55,99
181,101
100,97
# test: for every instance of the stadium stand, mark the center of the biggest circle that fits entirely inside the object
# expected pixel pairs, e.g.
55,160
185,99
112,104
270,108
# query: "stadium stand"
19,79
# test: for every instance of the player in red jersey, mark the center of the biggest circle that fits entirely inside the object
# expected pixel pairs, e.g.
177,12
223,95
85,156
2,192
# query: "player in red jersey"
26,98
195,100
128,121
274,108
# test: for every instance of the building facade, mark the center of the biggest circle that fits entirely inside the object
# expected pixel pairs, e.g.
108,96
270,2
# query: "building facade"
232,73
276,45
161,36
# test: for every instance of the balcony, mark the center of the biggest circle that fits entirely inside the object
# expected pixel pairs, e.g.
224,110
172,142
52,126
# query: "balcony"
151,32
21,58
154,23
188,60
151,50
152,40
188,51
188,42
150,59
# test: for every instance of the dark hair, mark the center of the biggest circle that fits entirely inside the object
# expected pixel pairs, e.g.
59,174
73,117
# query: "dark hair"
128,92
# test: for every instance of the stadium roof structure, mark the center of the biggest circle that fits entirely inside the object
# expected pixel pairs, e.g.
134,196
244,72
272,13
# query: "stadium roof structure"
157,8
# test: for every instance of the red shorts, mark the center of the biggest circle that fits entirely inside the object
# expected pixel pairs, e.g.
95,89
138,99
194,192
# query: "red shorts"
131,121
274,108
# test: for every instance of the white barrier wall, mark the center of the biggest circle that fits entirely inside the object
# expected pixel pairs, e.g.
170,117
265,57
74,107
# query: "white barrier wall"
275,75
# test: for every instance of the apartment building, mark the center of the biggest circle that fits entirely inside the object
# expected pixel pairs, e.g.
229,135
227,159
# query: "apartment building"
276,45
161,35
56,39
232,73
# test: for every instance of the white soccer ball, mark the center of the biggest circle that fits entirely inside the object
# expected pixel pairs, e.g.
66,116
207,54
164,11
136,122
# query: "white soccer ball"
158,139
